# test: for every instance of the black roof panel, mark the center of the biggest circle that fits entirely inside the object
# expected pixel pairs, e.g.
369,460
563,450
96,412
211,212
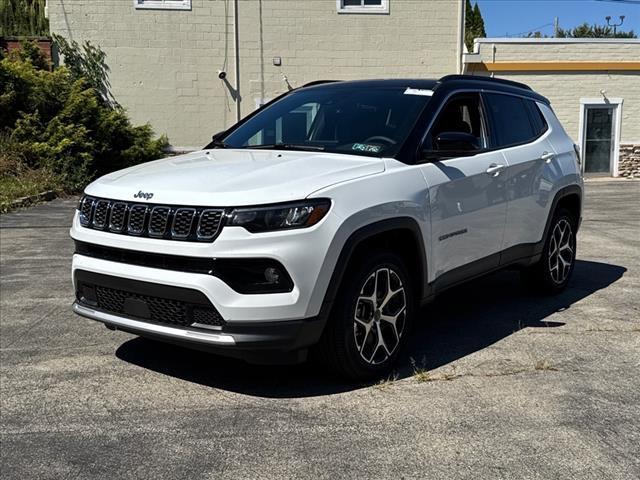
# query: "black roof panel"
453,81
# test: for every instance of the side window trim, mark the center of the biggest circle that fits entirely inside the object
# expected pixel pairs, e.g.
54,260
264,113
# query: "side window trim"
487,131
493,138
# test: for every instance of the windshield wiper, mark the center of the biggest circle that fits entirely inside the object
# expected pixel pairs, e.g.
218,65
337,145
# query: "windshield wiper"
286,146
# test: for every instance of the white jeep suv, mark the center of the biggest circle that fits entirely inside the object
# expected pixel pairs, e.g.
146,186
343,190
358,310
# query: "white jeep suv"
326,218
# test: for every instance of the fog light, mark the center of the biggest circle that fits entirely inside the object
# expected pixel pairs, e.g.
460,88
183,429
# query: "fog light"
272,275
253,275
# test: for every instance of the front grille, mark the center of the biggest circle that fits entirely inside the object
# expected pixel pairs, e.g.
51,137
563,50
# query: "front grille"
182,222
118,213
194,224
158,221
137,216
86,209
101,213
144,305
209,224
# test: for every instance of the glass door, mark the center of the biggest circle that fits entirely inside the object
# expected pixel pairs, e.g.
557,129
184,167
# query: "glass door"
599,141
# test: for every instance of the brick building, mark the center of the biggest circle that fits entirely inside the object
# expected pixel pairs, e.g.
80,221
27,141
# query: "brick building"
593,85
165,55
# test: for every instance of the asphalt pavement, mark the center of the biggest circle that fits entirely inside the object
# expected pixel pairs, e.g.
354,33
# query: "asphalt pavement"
498,383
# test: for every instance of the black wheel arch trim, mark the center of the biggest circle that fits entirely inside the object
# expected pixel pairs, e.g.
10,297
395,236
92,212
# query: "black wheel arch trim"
361,235
560,194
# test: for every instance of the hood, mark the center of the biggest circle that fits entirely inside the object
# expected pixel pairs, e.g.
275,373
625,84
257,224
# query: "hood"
234,177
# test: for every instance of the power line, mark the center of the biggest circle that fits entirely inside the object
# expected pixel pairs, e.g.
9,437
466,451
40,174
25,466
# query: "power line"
630,2
536,29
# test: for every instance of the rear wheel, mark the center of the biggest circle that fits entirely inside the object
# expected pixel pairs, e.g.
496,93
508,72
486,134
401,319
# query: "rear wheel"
371,318
552,272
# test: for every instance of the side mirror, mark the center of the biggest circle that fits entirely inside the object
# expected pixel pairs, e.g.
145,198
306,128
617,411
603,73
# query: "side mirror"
456,142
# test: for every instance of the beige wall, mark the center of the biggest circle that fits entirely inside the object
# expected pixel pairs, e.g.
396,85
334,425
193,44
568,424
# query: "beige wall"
565,89
164,63
559,50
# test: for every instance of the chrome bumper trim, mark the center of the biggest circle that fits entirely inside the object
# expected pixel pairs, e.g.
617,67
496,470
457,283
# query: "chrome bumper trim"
176,333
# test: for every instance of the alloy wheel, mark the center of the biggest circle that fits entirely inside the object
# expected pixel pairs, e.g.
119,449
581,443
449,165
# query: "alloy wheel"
561,251
380,315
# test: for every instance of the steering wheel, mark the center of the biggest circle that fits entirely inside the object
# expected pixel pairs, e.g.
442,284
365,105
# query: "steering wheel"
380,138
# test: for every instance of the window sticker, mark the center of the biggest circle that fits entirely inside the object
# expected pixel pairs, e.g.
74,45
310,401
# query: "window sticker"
364,147
418,91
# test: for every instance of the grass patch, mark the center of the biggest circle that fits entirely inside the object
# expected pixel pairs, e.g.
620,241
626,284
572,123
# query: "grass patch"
385,383
423,376
24,184
420,373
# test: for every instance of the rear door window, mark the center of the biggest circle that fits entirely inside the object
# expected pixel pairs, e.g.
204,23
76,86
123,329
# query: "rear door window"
510,120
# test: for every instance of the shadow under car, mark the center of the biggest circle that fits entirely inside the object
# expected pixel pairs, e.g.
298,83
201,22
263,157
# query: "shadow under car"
459,322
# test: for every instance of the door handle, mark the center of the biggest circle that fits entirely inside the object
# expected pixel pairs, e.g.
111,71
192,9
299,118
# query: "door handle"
494,169
547,157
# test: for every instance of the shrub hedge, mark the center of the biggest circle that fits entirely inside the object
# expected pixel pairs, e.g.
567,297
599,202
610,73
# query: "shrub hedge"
64,121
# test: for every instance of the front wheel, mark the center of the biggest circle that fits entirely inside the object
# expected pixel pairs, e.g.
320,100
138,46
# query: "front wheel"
371,318
552,272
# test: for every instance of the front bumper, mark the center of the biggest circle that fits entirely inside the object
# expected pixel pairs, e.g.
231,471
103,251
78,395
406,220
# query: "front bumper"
186,316
304,253
255,342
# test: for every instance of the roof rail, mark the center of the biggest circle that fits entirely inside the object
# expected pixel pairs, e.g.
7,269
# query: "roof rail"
479,78
318,82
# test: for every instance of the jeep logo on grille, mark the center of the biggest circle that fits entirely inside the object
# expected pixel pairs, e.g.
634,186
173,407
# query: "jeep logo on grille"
141,194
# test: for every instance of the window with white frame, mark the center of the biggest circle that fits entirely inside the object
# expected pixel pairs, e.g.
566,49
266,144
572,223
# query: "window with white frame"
163,4
362,6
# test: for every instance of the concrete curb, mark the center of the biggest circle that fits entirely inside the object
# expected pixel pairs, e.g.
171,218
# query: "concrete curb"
611,179
32,199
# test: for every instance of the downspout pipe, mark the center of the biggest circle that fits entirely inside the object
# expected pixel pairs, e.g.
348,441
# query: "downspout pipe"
236,52
460,52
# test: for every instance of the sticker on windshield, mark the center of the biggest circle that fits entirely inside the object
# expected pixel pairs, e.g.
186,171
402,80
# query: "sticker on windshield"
418,91
364,147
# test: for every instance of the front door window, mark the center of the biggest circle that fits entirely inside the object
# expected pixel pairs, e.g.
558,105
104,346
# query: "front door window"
599,141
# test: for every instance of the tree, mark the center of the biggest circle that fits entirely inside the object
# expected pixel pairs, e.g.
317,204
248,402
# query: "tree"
594,31
23,18
473,24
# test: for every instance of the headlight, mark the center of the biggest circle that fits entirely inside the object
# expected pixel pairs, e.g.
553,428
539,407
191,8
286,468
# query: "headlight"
279,217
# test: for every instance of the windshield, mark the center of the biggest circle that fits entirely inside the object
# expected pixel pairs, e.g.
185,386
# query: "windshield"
371,121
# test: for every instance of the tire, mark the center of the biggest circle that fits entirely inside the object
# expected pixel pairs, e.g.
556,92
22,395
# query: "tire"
350,344
551,274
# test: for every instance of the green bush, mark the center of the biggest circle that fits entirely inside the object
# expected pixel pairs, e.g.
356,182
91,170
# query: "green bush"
64,121
23,17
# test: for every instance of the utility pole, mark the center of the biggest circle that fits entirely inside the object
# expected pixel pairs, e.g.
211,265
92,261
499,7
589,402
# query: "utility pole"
614,25
556,27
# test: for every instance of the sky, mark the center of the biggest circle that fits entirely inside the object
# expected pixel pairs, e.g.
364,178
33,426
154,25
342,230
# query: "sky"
517,17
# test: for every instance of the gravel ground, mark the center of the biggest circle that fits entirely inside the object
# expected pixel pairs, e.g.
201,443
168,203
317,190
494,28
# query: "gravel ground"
497,383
